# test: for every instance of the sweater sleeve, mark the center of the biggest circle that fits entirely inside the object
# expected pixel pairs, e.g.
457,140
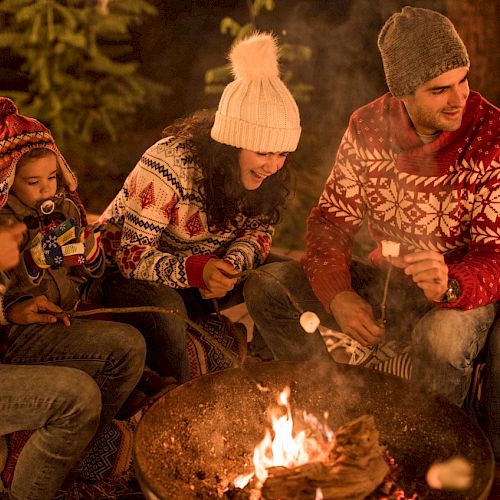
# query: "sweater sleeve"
144,220
333,223
158,195
251,246
478,273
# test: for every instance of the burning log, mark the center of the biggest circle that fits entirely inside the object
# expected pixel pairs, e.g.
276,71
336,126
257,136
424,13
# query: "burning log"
355,467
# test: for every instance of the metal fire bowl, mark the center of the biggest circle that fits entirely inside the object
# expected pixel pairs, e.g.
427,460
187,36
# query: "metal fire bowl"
202,434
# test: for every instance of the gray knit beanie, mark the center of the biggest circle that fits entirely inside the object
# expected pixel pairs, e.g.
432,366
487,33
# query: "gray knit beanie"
418,45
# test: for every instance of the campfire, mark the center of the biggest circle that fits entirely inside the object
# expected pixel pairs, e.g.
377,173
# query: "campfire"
314,461
200,440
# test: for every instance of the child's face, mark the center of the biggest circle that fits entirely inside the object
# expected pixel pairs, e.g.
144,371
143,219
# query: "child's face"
36,180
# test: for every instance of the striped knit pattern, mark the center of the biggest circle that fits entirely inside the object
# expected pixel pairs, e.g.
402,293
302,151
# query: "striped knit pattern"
442,196
156,227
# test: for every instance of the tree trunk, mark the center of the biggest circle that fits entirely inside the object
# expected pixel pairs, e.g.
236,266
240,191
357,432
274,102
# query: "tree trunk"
477,24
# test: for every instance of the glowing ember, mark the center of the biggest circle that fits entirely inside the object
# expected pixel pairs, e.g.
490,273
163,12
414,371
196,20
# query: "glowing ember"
282,447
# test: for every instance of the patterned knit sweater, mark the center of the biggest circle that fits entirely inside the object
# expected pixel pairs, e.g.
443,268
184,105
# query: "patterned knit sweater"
442,196
156,227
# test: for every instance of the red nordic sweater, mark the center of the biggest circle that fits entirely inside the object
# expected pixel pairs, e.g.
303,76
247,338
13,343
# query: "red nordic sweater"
442,196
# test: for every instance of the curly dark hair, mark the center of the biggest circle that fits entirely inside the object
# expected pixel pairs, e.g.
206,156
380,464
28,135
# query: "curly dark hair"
225,196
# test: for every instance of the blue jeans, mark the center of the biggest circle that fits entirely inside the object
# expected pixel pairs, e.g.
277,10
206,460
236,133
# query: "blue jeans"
62,406
71,381
491,390
165,334
445,367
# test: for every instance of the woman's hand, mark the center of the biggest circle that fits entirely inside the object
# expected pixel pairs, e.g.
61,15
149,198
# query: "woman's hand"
35,310
215,276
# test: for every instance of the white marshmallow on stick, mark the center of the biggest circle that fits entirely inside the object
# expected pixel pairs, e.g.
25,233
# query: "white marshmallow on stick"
390,248
309,321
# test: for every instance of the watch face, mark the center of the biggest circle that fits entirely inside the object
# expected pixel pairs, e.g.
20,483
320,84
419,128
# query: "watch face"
453,291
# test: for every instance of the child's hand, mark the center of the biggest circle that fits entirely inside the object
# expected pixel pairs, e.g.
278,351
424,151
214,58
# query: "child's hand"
61,247
35,310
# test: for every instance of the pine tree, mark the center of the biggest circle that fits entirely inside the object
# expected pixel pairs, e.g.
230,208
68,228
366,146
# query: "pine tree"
77,55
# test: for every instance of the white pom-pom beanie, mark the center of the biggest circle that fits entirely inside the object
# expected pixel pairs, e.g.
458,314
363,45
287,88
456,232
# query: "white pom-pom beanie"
256,111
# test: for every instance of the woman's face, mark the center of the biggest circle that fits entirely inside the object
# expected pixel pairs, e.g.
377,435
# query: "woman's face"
256,167
36,180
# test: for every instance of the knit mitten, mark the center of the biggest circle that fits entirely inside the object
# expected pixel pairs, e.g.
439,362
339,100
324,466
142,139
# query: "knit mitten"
57,248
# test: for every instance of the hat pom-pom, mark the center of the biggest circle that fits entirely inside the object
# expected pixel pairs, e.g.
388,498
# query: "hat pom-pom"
255,58
7,107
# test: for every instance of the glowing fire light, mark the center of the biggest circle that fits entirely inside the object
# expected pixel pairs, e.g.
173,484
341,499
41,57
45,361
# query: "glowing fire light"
311,444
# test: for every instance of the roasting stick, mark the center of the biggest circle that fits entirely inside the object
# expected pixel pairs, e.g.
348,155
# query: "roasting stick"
389,249
384,297
171,312
154,309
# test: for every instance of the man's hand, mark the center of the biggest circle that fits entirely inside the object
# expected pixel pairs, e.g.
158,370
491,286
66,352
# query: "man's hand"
428,271
215,276
11,236
355,317
35,310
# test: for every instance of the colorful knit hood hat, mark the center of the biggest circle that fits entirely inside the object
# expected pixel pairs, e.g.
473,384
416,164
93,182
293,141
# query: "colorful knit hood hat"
418,45
18,135
257,111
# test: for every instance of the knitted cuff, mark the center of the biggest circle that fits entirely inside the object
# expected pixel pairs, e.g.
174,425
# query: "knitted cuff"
194,269
92,248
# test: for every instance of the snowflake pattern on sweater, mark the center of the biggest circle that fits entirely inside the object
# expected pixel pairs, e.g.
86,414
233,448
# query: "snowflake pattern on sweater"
442,196
156,227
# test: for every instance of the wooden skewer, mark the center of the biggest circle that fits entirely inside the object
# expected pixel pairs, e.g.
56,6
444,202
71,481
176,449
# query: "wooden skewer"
156,309
235,361
384,297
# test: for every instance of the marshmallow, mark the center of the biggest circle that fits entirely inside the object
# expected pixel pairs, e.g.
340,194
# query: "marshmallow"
309,321
390,248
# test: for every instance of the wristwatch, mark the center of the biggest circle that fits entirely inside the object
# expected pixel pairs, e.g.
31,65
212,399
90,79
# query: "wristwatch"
452,292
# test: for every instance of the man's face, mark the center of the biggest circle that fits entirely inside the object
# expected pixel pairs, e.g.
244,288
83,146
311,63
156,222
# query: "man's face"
438,105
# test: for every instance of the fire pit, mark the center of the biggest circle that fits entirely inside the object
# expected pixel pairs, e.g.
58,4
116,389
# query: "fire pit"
196,439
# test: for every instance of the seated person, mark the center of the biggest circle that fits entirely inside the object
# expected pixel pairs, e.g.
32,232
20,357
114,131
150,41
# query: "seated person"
64,379
415,165
200,206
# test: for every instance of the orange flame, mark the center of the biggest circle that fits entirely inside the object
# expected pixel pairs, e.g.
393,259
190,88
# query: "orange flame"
282,447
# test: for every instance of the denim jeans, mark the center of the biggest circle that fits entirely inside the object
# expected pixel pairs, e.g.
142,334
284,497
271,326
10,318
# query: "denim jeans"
74,380
444,342
62,405
491,390
165,334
